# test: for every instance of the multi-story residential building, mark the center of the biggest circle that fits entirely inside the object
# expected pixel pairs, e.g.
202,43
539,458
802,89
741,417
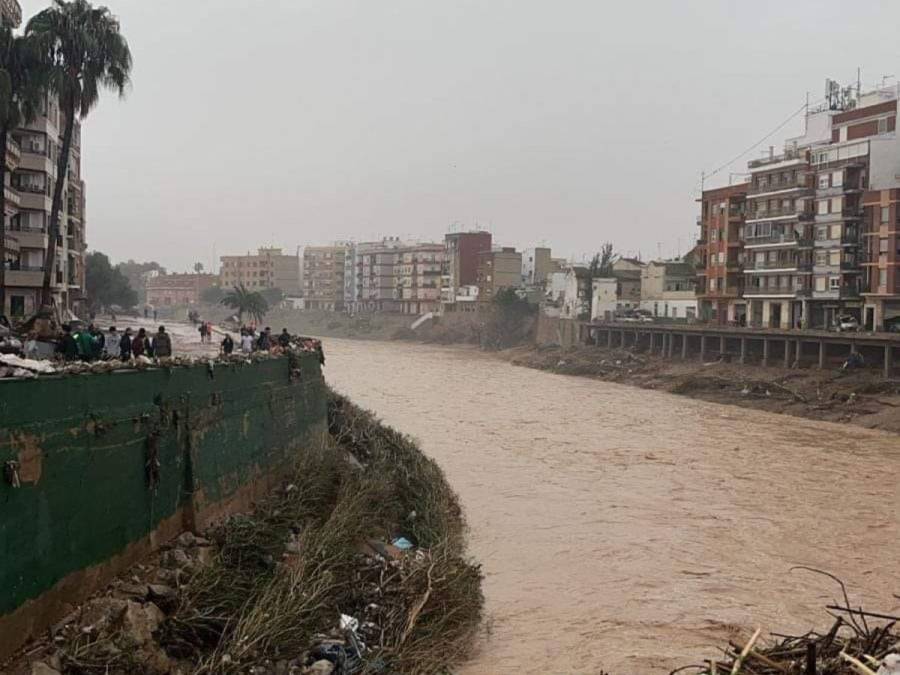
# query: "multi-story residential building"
720,279
167,290
28,201
461,262
323,276
668,289
881,256
418,272
628,272
267,268
778,239
497,270
374,282
537,264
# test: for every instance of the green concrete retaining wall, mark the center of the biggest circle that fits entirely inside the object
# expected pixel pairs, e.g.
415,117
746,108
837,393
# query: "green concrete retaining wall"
105,459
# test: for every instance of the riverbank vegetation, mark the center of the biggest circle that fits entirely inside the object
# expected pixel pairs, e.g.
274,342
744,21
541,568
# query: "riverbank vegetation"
356,564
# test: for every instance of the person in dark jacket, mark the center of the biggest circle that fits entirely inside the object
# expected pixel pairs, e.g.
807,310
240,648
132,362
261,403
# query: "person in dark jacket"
67,347
140,343
227,344
98,343
265,340
125,345
285,338
162,343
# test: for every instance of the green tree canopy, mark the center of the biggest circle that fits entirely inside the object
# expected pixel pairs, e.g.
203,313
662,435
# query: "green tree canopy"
212,295
106,285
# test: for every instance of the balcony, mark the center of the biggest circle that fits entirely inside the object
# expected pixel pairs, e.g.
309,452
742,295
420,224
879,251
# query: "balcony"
766,265
799,183
30,238
25,277
765,214
790,238
12,196
788,155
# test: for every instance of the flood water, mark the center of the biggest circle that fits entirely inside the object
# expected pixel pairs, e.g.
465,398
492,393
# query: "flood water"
632,530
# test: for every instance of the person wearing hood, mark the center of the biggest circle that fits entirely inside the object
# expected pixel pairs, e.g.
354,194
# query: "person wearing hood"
125,345
140,343
162,343
67,346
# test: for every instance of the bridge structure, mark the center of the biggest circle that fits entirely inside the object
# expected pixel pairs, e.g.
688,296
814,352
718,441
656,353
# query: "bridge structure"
790,348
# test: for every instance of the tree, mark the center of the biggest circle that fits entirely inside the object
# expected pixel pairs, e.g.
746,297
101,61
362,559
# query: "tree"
198,267
84,52
510,320
135,271
244,301
602,263
105,285
21,79
273,296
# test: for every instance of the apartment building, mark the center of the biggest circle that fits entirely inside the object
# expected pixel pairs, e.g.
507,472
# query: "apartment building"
418,272
31,157
461,262
720,251
497,270
323,276
376,285
778,239
267,268
881,259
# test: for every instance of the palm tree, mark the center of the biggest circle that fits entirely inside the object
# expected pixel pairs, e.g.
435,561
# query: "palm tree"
244,301
21,77
85,52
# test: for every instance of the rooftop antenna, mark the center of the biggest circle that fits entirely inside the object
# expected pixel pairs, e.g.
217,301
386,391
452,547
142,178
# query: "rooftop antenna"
858,83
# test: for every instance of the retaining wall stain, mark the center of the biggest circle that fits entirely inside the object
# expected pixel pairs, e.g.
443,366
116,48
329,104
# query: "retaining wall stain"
109,463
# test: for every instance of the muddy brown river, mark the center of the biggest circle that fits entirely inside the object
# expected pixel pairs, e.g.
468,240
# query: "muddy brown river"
630,530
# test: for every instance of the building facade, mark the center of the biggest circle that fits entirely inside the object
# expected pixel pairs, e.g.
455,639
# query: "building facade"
668,289
418,271
498,270
323,276
537,264
719,263
167,290
31,158
462,251
268,268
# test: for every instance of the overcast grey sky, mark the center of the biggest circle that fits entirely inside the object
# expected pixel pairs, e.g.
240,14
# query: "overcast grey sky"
568,122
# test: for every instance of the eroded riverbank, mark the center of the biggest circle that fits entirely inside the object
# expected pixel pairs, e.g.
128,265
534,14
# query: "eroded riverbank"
629,529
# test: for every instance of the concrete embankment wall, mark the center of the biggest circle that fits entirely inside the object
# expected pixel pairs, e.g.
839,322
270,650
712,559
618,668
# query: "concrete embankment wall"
111,465
556,331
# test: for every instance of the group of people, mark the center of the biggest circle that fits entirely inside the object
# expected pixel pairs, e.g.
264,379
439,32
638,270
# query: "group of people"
251,342
91,344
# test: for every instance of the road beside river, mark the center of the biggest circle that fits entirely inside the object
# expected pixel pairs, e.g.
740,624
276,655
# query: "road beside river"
634,530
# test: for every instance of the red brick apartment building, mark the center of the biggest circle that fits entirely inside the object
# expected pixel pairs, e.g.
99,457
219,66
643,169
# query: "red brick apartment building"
720,279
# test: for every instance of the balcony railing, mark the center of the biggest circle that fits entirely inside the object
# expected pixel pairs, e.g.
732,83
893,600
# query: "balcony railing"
787,238
778,264
761,214
775,186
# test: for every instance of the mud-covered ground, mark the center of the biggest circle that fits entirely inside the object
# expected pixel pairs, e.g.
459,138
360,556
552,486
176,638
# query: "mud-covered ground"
861,397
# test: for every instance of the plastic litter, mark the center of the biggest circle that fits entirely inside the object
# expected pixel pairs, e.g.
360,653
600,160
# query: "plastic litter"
402,543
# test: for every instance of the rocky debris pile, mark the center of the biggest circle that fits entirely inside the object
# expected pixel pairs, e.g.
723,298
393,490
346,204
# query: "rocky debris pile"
356,564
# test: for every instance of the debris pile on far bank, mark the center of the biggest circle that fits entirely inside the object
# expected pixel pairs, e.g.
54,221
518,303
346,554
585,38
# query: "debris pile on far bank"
356,564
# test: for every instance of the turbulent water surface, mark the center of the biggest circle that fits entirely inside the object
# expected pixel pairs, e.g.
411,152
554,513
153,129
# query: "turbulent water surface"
631,530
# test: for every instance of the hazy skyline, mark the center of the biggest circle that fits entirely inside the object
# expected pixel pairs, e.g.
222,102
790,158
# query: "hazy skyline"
569,123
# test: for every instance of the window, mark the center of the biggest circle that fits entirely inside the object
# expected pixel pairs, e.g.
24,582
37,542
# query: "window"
882,125
822,233
820,283
883,245
834,283
712,283
821,257
17,305
834,257
885,214
822,207
834,232
823,181
837,203
837,178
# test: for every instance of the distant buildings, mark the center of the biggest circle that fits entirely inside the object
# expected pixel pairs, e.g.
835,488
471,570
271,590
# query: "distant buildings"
462,251
166,290
537,265
498,269
323,276
720,274
418,272
268,268
668,289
